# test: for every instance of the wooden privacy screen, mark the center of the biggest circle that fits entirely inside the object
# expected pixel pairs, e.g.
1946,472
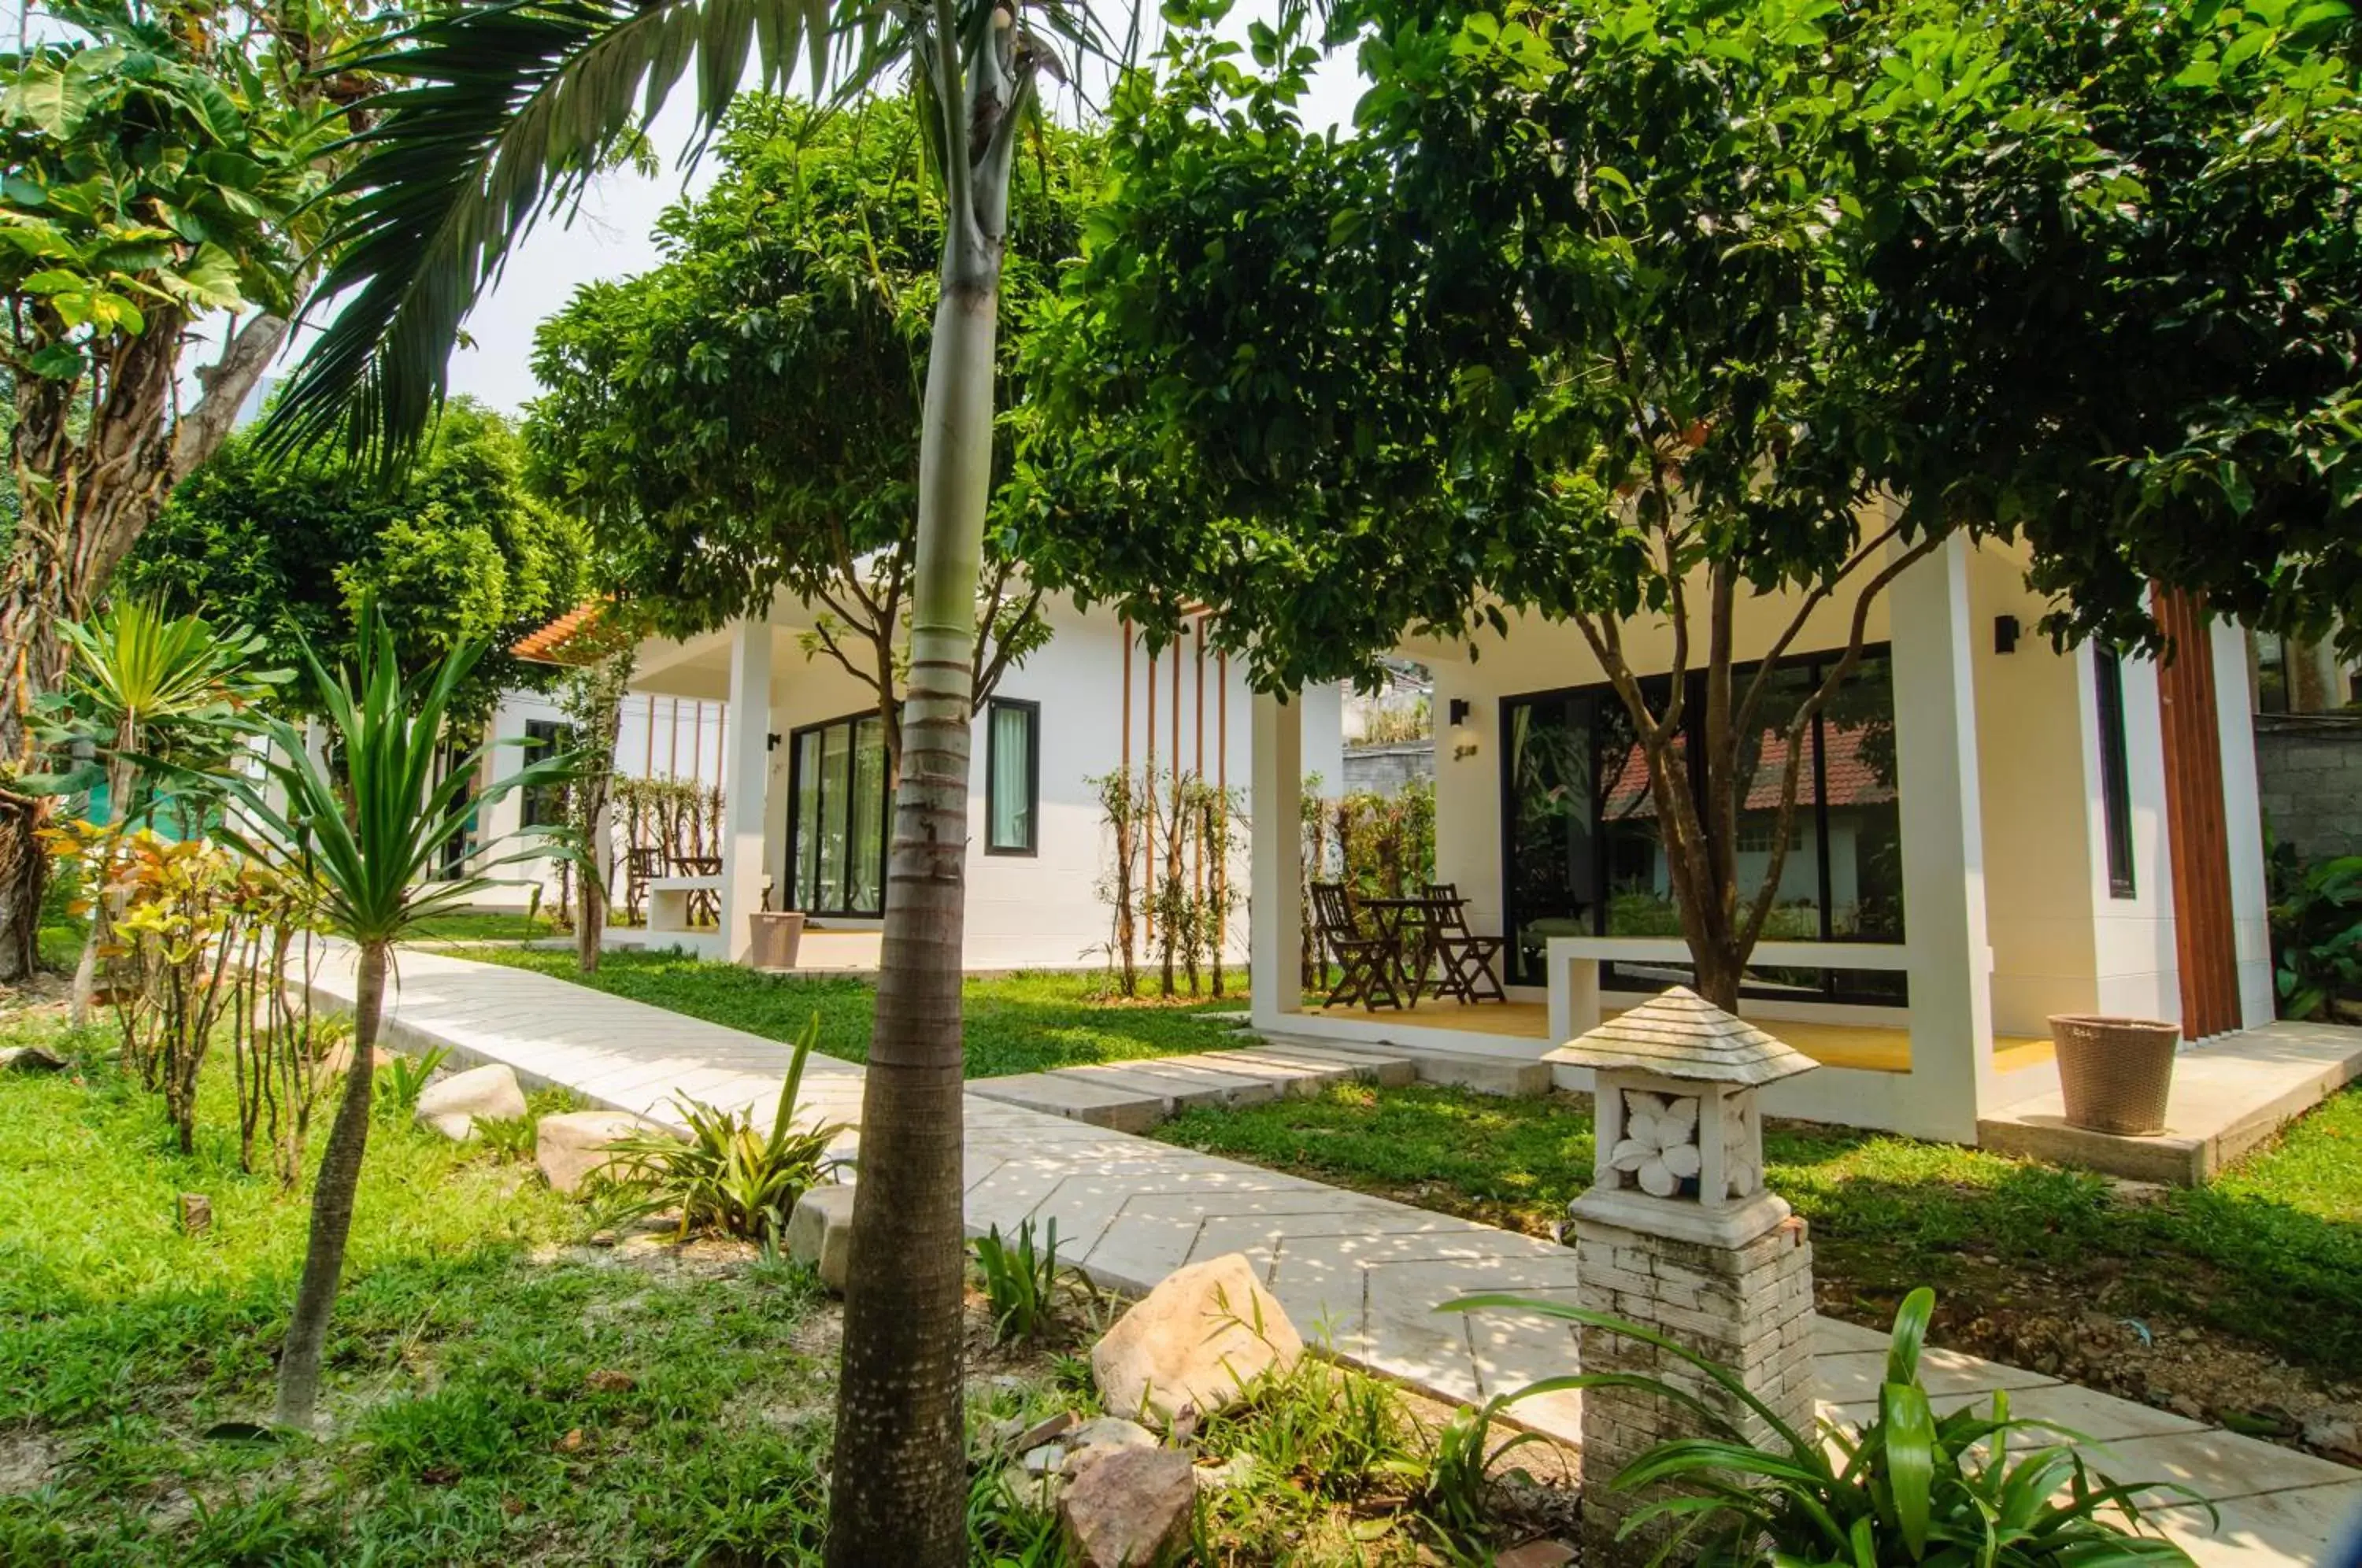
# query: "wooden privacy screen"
2197,832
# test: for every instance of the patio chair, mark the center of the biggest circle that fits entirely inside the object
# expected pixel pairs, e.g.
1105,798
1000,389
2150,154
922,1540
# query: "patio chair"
642,864
1467,960
1367,962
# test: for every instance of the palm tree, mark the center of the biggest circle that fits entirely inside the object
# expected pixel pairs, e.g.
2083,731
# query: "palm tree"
136,679
365,829
505,110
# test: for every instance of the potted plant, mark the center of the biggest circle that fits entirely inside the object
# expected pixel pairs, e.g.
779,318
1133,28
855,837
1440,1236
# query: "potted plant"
2116,1074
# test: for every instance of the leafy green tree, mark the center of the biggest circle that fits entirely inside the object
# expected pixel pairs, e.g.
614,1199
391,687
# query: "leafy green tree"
367,834
682,419
506,111
1621,314
164,164
457,549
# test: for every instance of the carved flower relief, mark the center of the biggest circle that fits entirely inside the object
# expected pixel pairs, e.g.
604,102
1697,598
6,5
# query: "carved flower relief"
1659,1148
1739,1172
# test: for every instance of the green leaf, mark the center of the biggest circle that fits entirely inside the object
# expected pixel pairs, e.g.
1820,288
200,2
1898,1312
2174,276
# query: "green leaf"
1907,1425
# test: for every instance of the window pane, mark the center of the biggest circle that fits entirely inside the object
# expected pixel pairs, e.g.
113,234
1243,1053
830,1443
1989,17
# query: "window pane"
1009,786
1763,762
1640,883
807,809
835,769
1552,869
866,882
1864,808
2116,782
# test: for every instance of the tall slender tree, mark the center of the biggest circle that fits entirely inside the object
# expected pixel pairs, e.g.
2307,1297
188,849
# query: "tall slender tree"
505,110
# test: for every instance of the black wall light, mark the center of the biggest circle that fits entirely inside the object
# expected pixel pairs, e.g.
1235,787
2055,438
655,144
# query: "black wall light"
1456,712
2005,634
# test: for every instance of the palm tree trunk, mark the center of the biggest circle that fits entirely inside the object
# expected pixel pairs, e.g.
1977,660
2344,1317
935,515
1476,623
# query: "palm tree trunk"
331,1204
899,1477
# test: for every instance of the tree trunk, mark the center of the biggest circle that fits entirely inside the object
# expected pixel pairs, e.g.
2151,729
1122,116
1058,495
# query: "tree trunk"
102,906
898,1482
332,1204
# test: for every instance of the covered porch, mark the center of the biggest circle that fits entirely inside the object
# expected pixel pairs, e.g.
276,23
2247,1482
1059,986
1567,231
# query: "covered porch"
1989,831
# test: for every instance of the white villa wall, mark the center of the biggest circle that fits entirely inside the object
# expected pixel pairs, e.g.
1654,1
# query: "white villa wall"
2244,823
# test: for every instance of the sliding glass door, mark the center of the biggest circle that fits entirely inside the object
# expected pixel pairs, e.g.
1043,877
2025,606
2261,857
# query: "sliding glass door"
1582,854
837,816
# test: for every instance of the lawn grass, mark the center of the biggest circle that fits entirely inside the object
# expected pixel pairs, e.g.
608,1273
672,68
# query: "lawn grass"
1017,1023
483,925
2270,1255
493,1396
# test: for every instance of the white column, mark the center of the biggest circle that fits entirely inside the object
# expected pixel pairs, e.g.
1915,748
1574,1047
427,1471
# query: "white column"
745,775
2242,824
1943,849
1276,897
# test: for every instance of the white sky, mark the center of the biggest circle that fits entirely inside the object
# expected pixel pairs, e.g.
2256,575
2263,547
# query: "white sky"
611,239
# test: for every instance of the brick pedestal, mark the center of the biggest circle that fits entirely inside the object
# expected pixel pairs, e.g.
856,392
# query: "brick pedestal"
1745,1302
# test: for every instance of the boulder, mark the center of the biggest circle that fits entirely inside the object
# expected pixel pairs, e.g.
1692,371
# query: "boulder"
1131,1509
30,1059
571,1148
1536,1555
451,1104
819,1232
1094,1441
1194,1342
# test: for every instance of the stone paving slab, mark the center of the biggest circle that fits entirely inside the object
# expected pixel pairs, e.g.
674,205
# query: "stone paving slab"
1135,1096
1371,1271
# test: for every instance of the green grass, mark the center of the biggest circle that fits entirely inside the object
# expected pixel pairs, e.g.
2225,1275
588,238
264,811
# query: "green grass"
461,1366
2270,1255
1018,1024
483,925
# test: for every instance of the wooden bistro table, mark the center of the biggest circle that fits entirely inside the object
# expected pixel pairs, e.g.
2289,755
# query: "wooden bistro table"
1393,922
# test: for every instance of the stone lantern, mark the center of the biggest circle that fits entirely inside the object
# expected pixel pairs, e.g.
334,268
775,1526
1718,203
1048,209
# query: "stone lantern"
1678,1235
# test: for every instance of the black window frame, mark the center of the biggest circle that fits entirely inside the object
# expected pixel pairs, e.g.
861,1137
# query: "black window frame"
2115,772
1033,712
793,898
1813,808
544,738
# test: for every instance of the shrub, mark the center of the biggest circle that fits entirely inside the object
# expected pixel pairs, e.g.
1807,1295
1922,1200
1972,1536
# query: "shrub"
2316,928
1909,1488
1023,1284
729,1176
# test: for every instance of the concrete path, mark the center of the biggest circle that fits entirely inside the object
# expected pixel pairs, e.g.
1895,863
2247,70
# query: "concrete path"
1366,1272
1135,1096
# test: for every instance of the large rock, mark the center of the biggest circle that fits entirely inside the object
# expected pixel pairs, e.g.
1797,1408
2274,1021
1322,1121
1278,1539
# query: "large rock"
451,1104
30,1059
1131,1509
1194,1342
571,1148
819,1232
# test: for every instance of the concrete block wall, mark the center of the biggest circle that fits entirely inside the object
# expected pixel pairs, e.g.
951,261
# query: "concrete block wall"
2309,773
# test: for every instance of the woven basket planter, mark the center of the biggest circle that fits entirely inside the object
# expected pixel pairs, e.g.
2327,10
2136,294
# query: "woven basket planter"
2115,1073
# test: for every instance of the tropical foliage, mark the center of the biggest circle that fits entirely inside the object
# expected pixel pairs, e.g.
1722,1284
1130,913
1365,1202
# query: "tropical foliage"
366,830
457,549
165,165
2316,927
1973,1487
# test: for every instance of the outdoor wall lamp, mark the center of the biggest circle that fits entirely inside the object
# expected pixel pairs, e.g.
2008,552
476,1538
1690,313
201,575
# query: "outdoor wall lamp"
1462,738
2005,634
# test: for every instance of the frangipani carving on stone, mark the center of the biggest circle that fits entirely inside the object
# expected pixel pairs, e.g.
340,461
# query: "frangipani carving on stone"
1660,1146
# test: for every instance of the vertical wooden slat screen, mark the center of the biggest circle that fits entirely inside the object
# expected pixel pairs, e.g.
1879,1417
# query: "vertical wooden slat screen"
2197,830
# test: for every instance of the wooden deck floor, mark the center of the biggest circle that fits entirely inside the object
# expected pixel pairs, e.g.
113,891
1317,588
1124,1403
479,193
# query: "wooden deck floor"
1872,1048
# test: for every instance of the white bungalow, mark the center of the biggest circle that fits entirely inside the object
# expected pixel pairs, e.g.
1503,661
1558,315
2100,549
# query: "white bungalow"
1992,832
802,766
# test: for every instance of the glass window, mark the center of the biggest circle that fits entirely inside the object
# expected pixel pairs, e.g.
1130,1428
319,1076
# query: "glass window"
543,804
1013,775
838,803
1584,853
2115,784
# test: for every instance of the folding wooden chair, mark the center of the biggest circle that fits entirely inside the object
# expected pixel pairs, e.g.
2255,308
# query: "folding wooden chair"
1466,960
1367,962
642,864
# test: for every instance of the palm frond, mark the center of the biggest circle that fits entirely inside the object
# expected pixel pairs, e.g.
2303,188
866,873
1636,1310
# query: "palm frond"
505,112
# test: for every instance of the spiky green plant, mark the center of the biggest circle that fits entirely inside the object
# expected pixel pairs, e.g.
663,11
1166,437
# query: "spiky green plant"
366,830
1908,1488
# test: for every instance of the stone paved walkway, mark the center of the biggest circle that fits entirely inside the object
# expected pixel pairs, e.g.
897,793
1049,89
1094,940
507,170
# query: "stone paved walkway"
1366,1272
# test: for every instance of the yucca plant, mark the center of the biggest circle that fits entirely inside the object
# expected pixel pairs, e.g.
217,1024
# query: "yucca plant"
729,1175
1457,1490
1909,1488
366,833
